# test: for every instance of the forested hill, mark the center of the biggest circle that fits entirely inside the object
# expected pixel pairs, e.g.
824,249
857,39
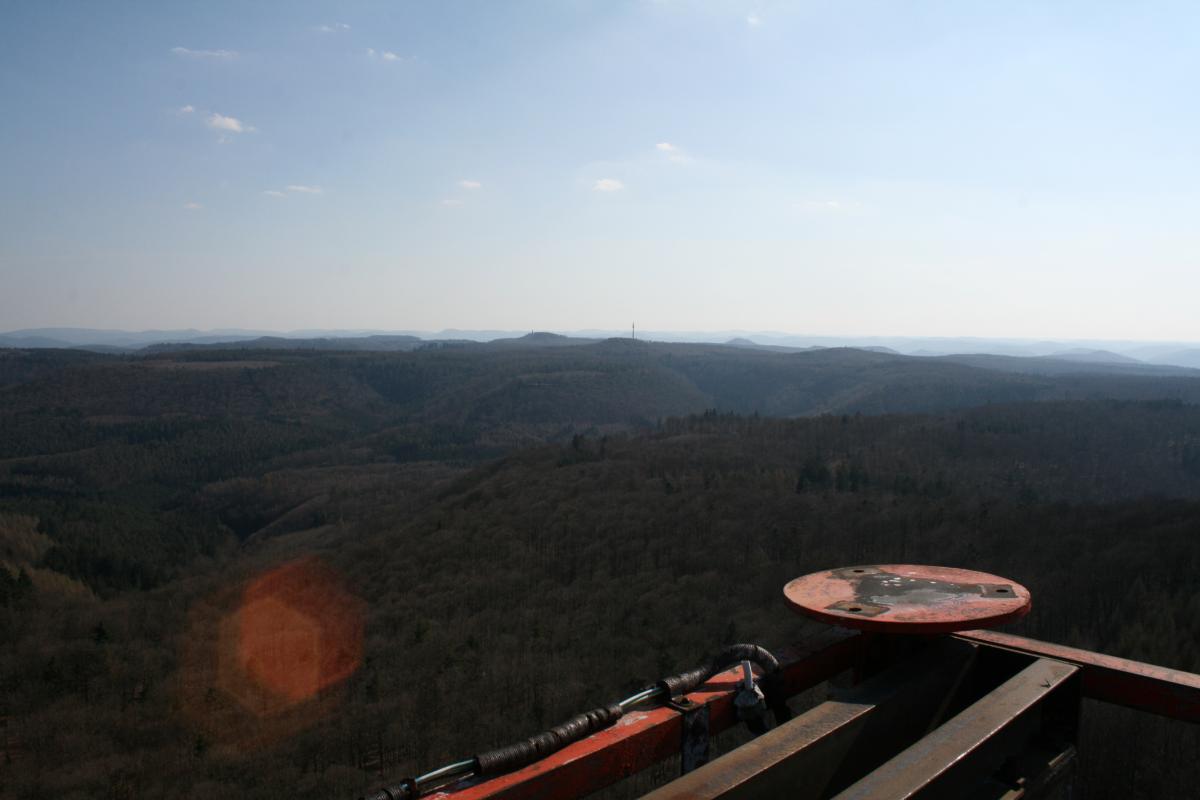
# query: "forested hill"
136,465
559,577
538,527
522,377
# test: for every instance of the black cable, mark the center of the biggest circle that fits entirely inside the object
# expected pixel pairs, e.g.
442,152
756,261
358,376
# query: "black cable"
514,756
535,748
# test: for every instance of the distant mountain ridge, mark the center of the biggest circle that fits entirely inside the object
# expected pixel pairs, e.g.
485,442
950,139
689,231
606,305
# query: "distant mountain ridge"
750,344
1051,366
541,339
1096,352
1086,356
376,343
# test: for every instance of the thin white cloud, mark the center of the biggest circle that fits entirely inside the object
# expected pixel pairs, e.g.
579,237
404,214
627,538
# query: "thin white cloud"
220,122
452,202
188,109
754,20
383,55
219,55
192,206
607,185
293,188
336,27
469,184
672,152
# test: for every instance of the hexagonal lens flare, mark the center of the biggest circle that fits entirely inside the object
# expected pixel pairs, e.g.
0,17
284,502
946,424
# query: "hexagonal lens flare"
299,631
262,661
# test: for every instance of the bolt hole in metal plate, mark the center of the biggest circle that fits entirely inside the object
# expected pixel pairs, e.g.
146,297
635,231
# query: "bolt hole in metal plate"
908,598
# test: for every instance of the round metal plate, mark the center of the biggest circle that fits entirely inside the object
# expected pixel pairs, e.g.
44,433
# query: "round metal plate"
908,598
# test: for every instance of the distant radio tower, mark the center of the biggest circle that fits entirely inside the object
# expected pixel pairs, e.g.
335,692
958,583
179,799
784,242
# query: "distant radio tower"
633,334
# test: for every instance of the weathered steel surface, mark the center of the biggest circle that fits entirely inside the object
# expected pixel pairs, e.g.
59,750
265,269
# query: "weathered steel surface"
972,745
644,738
801,754
837,742
1144,687
1045,777
695,746
907,598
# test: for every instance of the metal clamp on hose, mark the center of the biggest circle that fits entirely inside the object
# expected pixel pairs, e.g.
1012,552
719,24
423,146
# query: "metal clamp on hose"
772,692
750,702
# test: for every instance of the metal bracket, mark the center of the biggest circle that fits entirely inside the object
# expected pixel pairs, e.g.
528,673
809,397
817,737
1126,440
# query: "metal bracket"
694,737
750,703
860,607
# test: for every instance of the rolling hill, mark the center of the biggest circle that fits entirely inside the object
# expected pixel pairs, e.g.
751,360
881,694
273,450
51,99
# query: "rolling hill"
536,529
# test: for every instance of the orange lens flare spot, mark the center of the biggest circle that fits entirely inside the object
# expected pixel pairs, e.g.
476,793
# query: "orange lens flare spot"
278,648
265,660
298,631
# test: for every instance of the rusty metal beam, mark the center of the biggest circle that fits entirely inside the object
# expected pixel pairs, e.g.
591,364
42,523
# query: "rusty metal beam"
1133,684
641,739
812,746
840,740
973,745
1045,775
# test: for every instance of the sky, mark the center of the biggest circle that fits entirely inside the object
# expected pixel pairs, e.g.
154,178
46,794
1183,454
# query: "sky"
958,168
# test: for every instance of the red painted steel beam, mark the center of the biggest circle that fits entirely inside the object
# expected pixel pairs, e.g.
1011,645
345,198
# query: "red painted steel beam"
643,738
1133,684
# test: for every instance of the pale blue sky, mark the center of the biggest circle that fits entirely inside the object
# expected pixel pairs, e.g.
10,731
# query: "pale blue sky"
842,167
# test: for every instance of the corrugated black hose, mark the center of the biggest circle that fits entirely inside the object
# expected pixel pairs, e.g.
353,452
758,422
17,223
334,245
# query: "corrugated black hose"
535,748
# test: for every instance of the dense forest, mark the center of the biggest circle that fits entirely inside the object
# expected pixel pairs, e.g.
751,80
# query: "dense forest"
526,532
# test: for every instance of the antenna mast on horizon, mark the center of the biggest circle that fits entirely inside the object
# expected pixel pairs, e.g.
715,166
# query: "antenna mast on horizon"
633,331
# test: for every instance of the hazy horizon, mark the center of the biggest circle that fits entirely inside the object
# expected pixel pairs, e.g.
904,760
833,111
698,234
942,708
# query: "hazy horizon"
994,344
949,170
